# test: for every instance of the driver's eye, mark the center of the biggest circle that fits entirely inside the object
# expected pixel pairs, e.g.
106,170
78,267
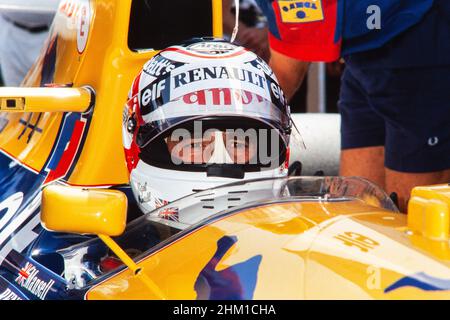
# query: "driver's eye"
239,144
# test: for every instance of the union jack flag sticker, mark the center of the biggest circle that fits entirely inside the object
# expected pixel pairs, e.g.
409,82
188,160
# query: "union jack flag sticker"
170,213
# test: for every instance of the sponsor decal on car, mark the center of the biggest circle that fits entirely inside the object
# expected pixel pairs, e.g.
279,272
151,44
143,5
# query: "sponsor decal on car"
28,279
79,16
9,292
17,221
83,25
421,281
33,279
233,282
28,126
170,213
9,295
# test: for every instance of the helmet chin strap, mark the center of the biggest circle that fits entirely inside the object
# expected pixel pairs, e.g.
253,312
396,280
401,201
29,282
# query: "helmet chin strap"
236,21
220,154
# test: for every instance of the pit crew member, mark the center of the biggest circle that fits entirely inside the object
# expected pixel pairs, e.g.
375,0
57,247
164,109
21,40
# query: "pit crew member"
394,97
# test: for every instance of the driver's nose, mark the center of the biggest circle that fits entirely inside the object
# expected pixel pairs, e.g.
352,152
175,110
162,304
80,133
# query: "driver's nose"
220,154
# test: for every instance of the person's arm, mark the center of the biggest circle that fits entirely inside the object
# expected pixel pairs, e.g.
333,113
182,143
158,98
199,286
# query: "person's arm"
290,72
254,39
229,19
295,40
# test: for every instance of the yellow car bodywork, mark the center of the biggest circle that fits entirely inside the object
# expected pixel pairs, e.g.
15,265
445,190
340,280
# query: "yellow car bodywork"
306,250
106,64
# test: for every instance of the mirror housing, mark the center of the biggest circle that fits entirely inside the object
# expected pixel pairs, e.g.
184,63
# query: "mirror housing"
84,211
102,212
429,212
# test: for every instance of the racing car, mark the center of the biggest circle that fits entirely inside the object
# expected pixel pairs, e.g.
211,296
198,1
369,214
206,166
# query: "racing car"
70,228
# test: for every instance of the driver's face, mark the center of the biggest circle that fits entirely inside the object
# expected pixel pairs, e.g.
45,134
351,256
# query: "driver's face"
213,147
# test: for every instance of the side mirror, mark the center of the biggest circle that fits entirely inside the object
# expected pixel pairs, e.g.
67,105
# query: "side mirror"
429,212
91,211
84,211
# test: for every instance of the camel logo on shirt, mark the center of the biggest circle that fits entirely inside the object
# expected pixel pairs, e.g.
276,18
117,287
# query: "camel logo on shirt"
300,11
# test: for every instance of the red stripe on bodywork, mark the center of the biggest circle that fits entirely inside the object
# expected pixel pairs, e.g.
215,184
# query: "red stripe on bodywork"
69,154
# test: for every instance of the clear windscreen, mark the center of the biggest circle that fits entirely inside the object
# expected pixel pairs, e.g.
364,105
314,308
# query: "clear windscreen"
192,209
88,262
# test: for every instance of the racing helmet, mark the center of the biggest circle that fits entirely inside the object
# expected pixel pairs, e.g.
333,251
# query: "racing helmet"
203,114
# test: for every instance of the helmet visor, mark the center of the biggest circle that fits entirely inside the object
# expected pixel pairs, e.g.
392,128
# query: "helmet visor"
224,102
219,146
209,141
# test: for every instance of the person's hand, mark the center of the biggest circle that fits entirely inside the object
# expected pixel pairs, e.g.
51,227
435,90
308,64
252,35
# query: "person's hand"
256,40
289,71
335,69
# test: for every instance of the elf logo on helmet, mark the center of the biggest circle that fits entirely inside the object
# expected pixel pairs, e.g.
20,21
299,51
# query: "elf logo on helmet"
278,94
152,92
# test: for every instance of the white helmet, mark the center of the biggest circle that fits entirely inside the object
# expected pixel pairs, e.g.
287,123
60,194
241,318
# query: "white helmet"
200,115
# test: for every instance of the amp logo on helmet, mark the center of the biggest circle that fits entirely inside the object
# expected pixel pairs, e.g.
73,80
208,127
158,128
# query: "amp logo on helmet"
300,11
211,48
